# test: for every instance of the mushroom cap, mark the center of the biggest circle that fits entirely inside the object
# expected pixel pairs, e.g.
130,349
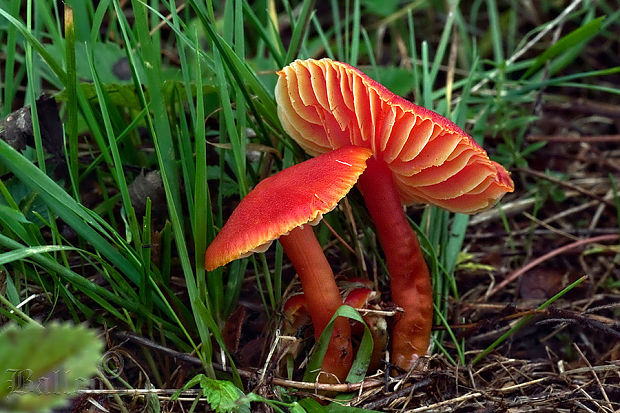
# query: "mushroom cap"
324,104
294,306
286,200
359,297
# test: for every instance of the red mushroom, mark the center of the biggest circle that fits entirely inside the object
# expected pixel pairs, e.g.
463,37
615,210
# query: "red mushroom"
418,156
296,323
282,204
362,297
358,294
295,314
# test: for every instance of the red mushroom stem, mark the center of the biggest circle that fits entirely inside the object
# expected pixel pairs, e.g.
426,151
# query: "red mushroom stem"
322,297
410,279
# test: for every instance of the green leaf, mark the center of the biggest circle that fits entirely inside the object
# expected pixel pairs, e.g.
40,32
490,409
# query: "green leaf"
582,34
21,253
222,395
362,359
525,320
296,408
312,406
107,57
43,366
397,79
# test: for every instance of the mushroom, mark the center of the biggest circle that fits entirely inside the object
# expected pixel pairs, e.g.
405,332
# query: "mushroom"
281,206
418,156
362,297
295,314
296,323
358,293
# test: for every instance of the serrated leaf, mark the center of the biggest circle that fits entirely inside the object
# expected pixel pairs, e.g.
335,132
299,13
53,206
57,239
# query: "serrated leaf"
152,402
222,395
40,367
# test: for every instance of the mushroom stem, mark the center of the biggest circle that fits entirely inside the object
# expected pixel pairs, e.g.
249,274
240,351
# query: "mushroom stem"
410,279
322,297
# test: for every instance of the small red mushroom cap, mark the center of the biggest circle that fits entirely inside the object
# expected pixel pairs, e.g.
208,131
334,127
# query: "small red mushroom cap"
294,306
359,297
286,200
296,313
324,104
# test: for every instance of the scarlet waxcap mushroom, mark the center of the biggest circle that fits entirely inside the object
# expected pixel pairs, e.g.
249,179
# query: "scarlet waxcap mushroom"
278,204
361,298
295,313
418,156
324,104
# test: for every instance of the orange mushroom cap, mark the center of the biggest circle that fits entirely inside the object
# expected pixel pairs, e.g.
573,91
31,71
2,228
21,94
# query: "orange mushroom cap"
286,200
324,104
359,297
296,313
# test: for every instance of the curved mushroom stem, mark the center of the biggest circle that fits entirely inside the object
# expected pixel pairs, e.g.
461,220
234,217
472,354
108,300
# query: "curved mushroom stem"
410,279
322,297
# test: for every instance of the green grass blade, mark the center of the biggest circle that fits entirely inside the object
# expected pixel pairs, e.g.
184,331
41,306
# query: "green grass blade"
300,29
236,141
10,83
443,44
66,208
202,206
118,164
414,55
71,127
36,45
322,36
581,35
269,35
355,33
160,130
338,29
362,359
25,252
459,348
496,32
525,320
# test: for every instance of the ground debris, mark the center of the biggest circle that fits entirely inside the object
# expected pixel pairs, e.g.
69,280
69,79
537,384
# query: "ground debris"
16,128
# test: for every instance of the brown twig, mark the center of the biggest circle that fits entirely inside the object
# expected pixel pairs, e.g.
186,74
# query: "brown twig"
598,381
575,139
588,106
384,401
335,234
567,185
516,274
541,232
251,373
